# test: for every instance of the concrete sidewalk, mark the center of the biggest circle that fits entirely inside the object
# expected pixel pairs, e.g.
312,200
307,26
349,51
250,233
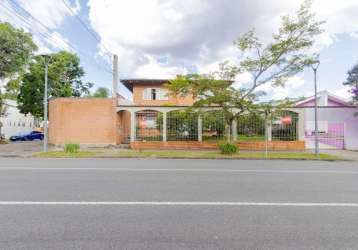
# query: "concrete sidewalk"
344,154
20,149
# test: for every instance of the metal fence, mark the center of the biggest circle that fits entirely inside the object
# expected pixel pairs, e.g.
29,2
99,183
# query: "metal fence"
184,126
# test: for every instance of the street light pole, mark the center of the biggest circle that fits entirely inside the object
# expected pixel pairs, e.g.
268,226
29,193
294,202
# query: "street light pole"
315,68
45,106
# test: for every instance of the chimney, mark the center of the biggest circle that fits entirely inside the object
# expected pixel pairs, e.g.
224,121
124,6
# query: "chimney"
115,76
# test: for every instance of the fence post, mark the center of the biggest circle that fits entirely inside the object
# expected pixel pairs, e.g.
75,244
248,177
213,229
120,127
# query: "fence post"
200,128
301,126
269,130
268,133
164,126
133,125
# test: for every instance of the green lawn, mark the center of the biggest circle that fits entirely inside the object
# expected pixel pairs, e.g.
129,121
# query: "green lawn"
186,154
218,155
62,154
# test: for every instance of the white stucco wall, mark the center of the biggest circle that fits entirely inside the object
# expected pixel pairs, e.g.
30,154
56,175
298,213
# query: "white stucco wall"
15,123
345,115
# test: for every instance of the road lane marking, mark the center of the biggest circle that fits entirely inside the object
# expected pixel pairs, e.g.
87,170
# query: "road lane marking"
173,203
183,170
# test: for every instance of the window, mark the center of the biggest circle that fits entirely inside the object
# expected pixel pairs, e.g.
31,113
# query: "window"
155,94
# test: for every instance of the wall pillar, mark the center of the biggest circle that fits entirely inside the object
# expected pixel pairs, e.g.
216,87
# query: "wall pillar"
268,130
301,125
133,126
234,130
200,128
164,126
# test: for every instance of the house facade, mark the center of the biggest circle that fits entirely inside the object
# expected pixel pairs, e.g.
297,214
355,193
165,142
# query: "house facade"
155,120
14,122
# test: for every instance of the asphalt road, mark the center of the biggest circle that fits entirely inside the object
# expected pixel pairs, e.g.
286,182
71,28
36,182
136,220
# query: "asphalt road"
177,204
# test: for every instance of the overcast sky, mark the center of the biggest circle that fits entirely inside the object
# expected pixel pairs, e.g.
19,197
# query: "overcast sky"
163,38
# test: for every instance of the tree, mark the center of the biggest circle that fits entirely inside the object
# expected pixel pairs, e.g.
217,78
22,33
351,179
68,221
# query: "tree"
273,63
64,80
16,50
12,88
101,92
352,81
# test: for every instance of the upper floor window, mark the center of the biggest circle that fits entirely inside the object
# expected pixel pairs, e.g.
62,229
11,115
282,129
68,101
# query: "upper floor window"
155,94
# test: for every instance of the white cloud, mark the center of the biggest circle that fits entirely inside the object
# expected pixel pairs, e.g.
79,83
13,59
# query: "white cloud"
291,88
49,13
343,93
154,70
354,34
200,33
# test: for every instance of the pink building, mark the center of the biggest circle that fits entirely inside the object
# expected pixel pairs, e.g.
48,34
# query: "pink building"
337,123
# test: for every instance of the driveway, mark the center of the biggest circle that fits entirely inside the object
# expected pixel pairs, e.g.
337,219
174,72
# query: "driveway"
177,204
20,149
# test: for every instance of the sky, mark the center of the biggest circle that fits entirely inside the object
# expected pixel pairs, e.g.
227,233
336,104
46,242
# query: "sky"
165,38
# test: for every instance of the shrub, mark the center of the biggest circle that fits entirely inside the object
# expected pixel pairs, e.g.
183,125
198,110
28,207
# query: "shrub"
228,148
72,148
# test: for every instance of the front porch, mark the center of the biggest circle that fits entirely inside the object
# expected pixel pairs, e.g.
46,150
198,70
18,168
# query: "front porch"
161,127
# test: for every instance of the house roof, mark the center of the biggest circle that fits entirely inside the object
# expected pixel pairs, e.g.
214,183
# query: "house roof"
130,82
330,98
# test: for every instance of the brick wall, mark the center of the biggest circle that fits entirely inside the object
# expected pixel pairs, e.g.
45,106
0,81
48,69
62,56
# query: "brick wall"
83,120
274,145
138,97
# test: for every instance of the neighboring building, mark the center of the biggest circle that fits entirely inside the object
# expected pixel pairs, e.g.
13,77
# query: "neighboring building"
337,123
15,123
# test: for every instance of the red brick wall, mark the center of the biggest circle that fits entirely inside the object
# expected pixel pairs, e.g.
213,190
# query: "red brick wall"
82,120
274,145
138,97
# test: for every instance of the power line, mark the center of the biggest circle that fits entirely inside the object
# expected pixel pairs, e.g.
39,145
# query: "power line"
15,9
90,31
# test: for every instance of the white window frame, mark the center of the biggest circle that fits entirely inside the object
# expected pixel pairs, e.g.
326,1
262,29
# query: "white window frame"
160,94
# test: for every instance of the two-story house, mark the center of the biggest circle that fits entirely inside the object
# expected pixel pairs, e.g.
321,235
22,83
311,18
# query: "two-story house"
152,119
102,121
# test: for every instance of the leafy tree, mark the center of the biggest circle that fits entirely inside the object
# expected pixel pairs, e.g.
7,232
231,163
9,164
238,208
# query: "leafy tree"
101,92
16,50
12,88
352,81
64,80
273,63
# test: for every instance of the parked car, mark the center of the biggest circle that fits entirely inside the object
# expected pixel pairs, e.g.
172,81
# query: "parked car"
34,135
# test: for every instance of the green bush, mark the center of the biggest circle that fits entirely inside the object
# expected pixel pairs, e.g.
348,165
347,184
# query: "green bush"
228,148
72,148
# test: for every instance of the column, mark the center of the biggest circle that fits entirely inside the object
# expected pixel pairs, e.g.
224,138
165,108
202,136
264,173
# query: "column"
301,125
133,126
268,129
234,130
165,126
200,129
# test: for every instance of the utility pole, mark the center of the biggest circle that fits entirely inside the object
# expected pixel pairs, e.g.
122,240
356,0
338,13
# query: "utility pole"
315,66
45,105
115,77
